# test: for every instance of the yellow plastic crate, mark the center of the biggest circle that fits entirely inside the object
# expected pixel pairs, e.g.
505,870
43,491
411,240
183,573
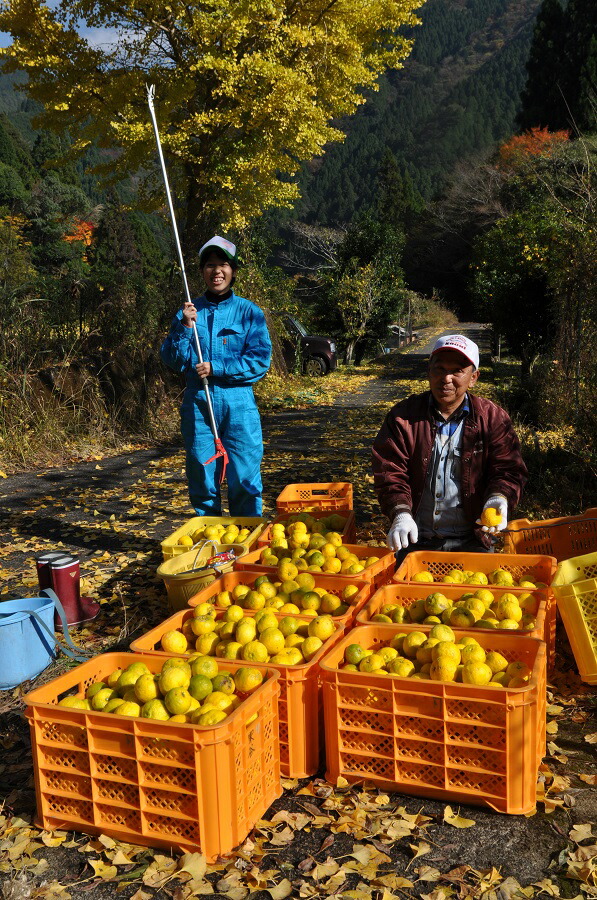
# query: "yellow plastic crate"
575,588
170,546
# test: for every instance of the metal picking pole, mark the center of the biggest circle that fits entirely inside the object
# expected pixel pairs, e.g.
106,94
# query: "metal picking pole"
220,449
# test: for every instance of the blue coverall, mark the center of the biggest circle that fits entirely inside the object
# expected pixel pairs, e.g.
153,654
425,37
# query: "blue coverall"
234,339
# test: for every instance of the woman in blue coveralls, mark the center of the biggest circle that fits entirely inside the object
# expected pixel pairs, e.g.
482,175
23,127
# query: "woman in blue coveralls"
236,350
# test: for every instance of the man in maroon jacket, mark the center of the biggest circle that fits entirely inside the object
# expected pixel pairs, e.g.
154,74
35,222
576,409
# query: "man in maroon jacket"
443,457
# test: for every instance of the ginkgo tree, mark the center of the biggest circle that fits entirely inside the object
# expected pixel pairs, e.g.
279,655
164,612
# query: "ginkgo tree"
245,89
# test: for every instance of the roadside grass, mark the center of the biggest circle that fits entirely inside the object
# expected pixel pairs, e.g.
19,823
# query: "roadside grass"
38,429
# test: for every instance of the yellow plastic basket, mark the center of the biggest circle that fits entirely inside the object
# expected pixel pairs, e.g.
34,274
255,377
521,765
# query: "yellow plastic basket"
575,588
184,575
171,547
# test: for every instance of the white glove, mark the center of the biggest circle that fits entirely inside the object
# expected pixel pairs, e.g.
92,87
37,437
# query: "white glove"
403,532
500,505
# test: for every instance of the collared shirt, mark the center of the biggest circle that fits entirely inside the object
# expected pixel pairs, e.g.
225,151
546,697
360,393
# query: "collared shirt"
440,512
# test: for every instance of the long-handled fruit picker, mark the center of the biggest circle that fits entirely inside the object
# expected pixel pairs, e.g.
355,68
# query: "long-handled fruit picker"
220,449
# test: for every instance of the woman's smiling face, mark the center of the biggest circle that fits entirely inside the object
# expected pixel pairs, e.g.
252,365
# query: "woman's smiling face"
217,274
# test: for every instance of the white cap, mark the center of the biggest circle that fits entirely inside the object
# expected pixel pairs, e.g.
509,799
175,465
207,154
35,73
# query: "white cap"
220,243
460,343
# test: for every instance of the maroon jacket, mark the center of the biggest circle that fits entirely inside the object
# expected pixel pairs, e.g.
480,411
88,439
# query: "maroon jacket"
491,460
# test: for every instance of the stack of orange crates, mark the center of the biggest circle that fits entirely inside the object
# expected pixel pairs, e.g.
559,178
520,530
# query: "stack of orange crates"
300,706
183,787
537,568
450,741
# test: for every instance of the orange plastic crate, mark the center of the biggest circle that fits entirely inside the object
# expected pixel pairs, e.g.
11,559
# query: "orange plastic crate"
449,741
333,584
563,538
438,563
183,787
300,705
406,594
332,496
575,586
376,574
348,533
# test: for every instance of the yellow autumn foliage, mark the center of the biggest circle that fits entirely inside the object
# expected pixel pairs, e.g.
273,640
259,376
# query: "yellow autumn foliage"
245,89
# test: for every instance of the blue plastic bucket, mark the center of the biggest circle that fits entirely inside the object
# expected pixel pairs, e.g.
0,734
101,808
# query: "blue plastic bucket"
25,647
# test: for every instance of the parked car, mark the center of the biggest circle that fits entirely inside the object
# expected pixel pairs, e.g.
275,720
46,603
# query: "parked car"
318,353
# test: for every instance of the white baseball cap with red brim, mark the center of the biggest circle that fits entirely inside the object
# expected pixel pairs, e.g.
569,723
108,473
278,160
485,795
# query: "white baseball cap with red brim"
461,344
218,243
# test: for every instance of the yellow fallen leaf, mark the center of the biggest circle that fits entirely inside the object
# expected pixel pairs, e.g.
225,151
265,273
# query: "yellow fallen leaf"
588,779
581,832
451,818
103,871
281,890
193,863
3,474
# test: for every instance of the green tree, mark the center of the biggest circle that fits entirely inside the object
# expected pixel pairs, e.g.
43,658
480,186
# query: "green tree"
246,91
561,90
369,266
20,329
536,268
12,190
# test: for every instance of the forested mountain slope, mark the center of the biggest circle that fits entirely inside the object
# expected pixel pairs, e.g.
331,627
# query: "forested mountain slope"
457,96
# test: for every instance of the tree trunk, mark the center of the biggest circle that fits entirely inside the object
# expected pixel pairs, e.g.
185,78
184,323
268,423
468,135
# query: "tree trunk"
349,352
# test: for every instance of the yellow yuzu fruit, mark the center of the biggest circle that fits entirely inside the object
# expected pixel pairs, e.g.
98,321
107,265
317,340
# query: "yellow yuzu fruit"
476,673
272,639
254,651
245,631
128,709
491,517
206,644
204,665
472,653
495,661
322,627
177,701
423,653
310,647
230,650
173,678
371,663
247,679
411,643
310,600
401,666
101,698
293,640
146,689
